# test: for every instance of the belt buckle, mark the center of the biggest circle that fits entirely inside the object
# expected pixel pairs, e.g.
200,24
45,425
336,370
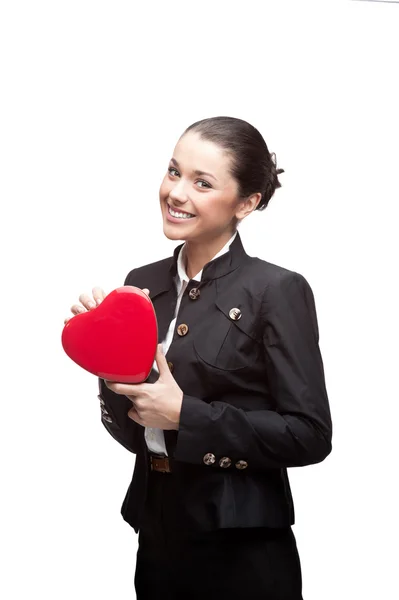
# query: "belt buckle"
160,469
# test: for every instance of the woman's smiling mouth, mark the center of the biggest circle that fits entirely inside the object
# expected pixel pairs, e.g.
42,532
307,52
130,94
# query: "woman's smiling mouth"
177,215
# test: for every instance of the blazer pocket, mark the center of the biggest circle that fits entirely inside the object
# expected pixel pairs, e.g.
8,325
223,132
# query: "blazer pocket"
227,344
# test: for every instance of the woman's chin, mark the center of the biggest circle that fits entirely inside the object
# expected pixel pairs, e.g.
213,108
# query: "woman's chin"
172,234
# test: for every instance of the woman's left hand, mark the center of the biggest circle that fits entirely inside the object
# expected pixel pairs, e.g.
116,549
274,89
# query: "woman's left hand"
154,404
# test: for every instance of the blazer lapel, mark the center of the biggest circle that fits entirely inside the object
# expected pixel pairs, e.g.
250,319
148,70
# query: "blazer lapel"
165,305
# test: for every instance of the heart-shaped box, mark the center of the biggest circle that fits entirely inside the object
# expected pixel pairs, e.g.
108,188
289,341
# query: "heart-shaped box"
118,339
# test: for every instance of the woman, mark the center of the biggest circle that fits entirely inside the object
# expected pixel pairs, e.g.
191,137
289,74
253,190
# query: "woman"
237,393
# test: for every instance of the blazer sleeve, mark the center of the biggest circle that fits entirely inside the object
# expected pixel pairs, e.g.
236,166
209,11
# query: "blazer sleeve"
114,409
299,431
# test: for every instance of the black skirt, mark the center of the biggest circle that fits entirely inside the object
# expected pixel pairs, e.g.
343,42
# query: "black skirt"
251,564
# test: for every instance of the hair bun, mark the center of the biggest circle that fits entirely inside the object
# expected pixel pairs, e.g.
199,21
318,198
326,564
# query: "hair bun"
275,172
274,161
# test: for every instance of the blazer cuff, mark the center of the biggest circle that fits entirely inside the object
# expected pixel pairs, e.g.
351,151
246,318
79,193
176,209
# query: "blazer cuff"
198,440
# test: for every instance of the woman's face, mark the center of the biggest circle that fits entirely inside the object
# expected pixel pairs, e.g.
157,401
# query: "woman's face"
198,184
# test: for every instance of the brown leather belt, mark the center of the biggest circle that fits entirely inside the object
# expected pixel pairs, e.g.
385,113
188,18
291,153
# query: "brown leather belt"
160,463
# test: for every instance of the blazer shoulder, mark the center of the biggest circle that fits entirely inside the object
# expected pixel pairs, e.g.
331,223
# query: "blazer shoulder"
284,290
276,286
271,273
150,273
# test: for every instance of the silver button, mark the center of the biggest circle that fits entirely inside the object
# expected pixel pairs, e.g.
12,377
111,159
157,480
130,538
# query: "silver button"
108,419
194,293
225,462
209,458
241,464
235,314
101,400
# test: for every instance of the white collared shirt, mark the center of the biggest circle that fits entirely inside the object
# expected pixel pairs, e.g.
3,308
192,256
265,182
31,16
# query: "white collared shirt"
154,437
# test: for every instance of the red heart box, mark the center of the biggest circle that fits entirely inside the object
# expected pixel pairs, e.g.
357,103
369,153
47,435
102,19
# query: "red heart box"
118,339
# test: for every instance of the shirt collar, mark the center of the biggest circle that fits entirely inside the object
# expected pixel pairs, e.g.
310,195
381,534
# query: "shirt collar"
182,277
160,276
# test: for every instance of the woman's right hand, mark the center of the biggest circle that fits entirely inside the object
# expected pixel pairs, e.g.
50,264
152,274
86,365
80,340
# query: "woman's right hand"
88,303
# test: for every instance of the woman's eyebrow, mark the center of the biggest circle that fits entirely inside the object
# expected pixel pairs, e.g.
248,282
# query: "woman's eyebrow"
196,172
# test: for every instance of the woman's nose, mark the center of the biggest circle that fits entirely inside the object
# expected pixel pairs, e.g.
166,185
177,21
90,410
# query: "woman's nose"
179,192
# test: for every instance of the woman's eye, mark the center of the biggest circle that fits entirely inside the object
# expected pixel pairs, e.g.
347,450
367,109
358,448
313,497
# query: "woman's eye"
205,184
175,173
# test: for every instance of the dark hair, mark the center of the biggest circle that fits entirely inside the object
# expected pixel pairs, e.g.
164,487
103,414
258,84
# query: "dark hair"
253,166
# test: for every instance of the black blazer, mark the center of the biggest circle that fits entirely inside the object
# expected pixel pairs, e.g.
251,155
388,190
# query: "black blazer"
254,392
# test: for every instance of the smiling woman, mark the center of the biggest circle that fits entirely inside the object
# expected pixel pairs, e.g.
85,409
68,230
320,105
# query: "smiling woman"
221,170
237,394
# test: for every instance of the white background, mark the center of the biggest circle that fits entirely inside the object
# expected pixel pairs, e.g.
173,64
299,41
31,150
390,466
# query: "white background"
94,96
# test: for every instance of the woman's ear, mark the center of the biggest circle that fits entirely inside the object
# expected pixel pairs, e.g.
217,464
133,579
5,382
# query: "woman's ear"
245,207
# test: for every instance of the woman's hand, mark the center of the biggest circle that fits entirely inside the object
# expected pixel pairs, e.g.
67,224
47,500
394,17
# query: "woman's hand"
154,404
88,302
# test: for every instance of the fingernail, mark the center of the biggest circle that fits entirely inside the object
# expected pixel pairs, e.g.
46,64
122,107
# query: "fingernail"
92,305
98,301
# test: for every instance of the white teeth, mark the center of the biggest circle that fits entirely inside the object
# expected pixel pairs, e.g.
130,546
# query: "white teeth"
179,215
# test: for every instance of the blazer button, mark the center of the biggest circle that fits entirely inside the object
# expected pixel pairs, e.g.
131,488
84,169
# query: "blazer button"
194,293
235,314
209,458
170,365
241,464
225,462
182,329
